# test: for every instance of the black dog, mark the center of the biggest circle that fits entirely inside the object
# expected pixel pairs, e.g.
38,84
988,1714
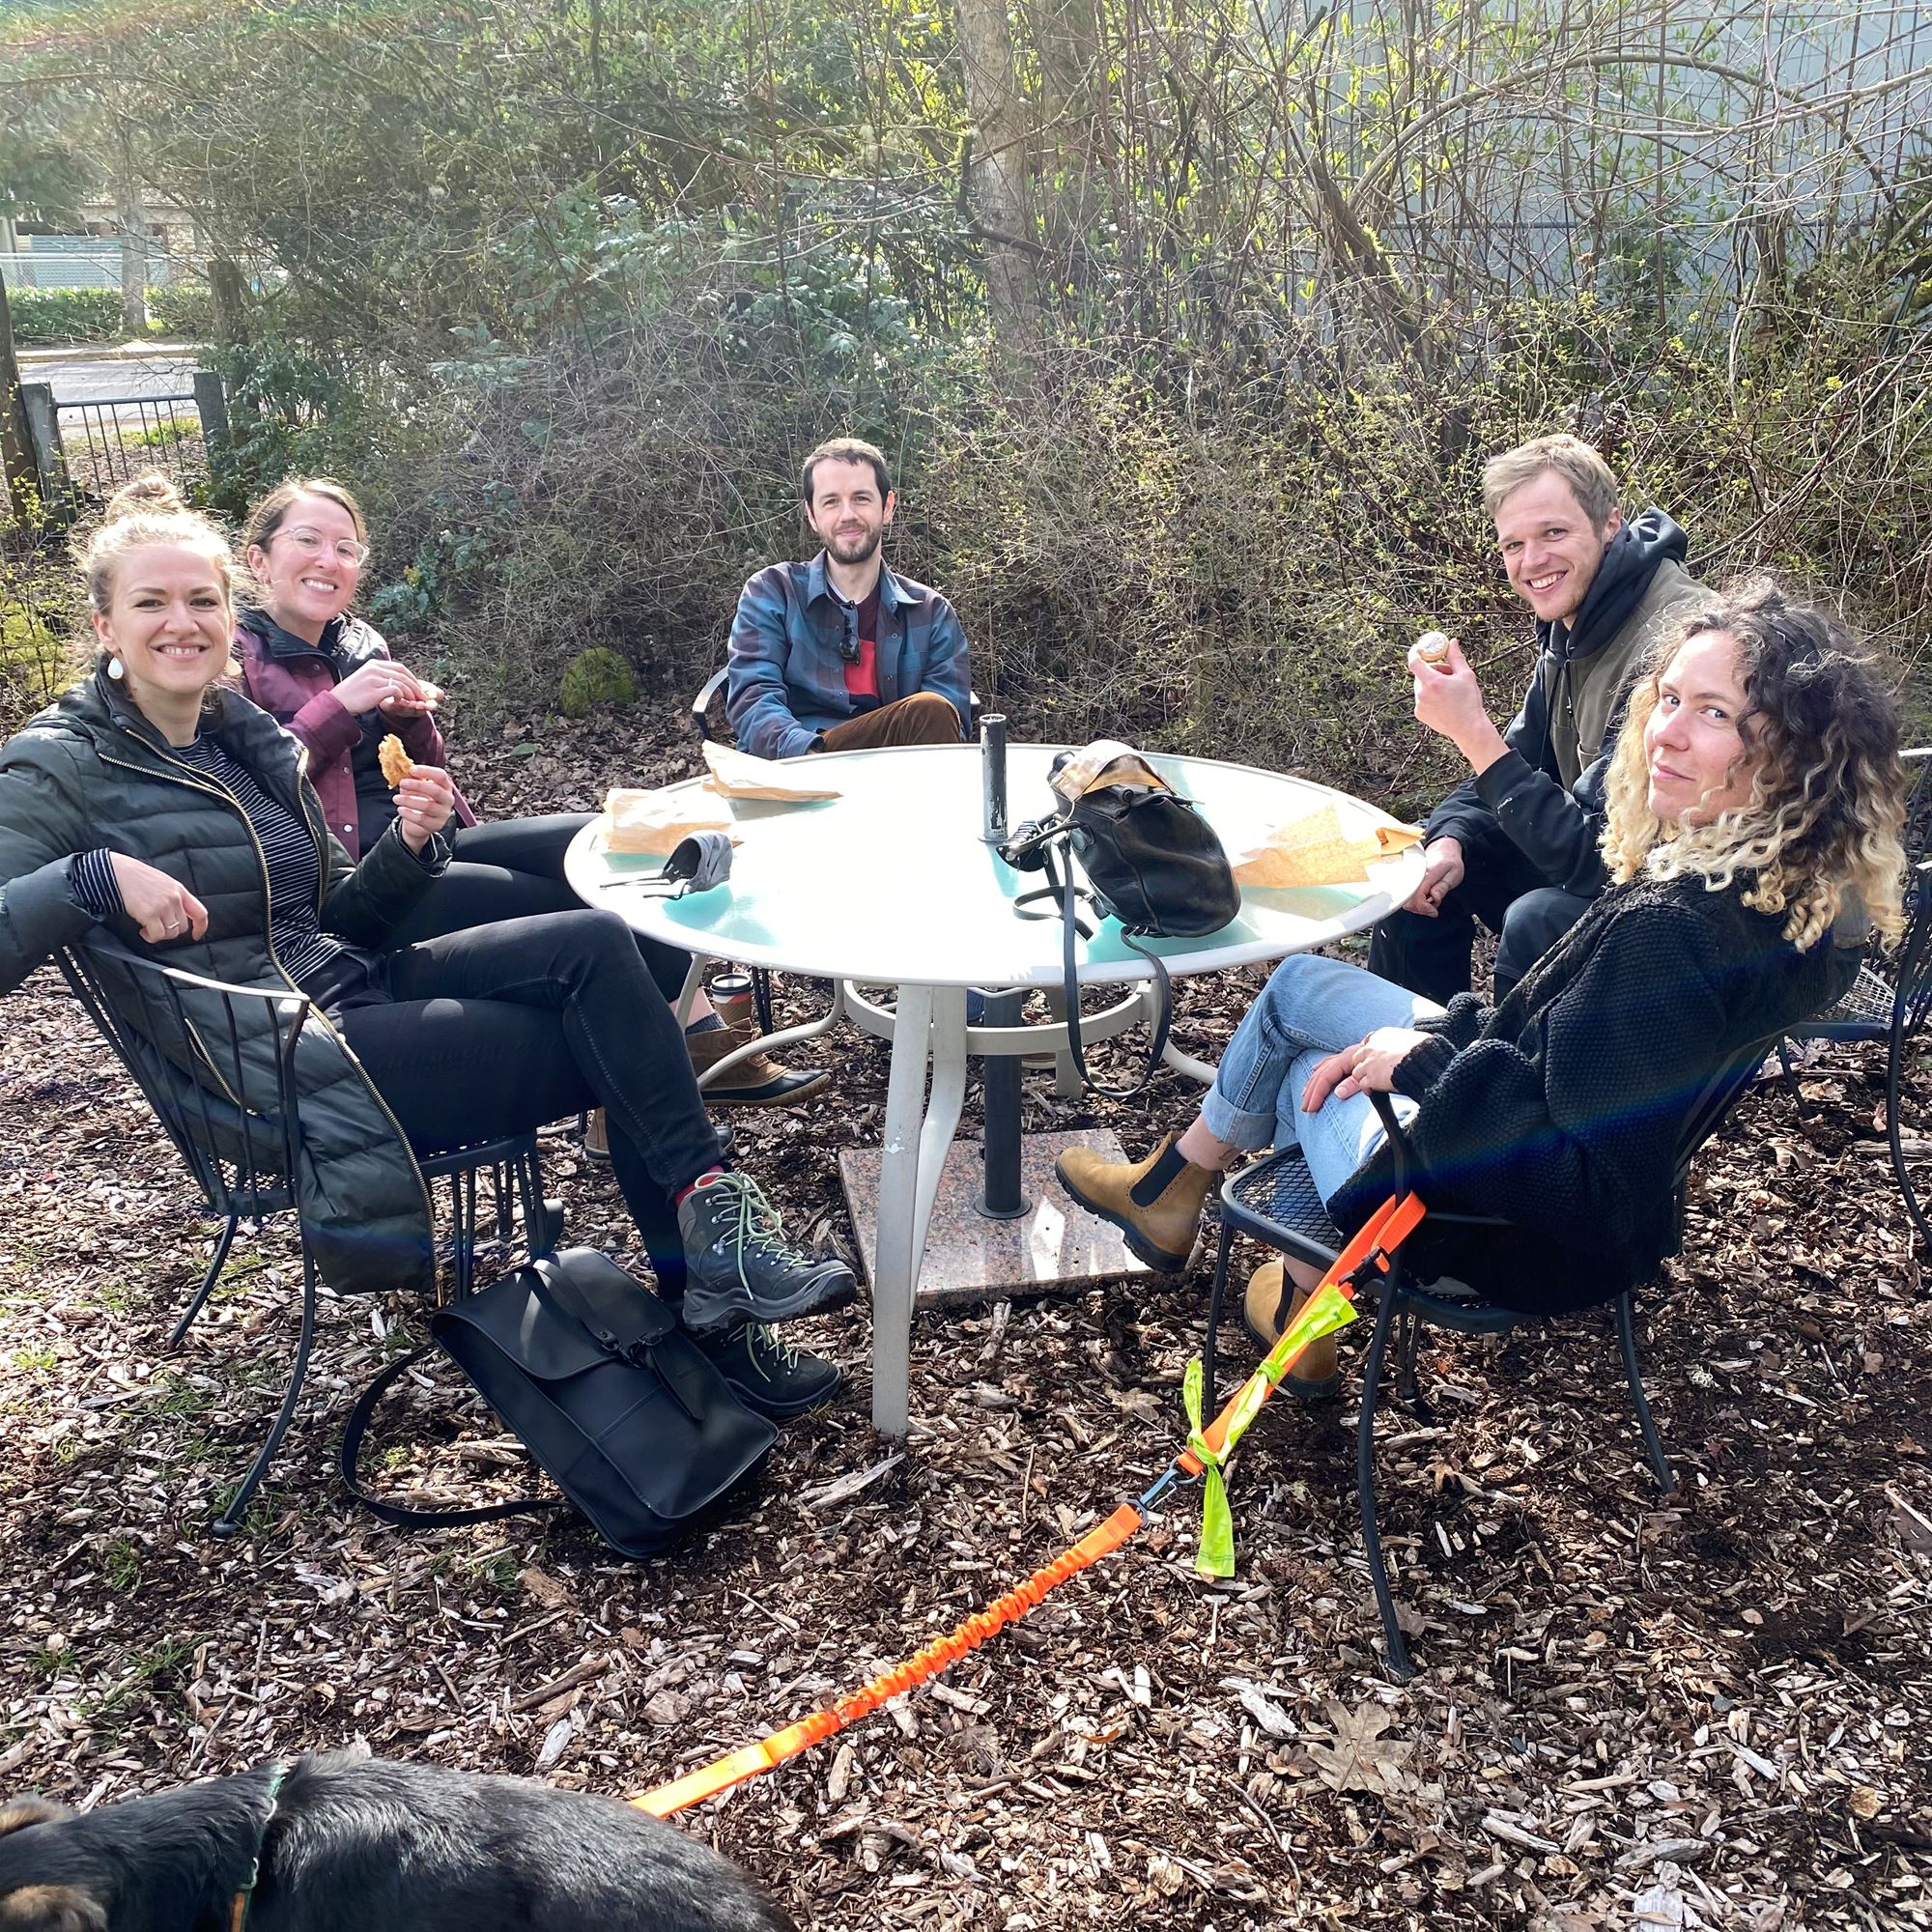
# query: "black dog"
349,1843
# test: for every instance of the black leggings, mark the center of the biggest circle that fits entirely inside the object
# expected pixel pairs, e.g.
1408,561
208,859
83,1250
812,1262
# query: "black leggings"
502,1028
514,870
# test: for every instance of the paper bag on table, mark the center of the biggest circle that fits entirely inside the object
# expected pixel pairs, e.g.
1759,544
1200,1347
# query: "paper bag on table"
1105,761
655,821
739,775
1314,849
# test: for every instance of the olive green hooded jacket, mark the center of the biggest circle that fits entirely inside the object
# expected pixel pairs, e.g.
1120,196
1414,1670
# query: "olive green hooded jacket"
91,773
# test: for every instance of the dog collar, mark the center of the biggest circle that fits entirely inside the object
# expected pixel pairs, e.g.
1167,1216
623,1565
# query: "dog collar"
238,1907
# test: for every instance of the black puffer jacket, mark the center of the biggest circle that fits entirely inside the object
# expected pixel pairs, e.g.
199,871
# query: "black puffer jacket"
91,773
1544,796
1562,1108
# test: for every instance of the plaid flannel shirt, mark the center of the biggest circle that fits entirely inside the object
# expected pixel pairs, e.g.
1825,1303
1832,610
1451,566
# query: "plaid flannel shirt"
787,673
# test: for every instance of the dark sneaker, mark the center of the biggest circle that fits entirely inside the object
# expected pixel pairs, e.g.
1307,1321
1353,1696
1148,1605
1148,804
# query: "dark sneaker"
740,1269
771,1376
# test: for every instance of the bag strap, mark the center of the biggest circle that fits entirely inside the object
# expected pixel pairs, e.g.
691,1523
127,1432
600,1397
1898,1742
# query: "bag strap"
401,1513
549,1280
1070,986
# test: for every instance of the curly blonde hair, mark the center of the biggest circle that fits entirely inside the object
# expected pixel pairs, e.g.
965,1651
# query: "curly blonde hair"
1820,830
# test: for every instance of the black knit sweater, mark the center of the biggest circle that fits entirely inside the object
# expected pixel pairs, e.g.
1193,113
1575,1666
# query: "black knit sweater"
1562,1108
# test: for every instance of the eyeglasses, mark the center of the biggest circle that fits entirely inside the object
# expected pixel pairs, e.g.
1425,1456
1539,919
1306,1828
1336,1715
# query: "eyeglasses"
312,543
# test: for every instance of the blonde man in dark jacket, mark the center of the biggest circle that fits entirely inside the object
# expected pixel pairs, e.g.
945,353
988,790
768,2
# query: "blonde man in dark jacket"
1515,845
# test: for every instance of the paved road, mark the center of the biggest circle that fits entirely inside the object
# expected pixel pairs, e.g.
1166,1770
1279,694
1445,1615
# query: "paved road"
84,379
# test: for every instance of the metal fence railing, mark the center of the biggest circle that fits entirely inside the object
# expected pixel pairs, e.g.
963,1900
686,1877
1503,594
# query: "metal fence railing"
108,443
80,452
74,268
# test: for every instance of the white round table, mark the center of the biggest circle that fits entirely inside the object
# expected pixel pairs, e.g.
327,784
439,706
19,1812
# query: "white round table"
890,885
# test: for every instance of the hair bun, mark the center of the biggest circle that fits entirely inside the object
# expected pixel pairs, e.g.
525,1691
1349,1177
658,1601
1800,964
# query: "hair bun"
149,495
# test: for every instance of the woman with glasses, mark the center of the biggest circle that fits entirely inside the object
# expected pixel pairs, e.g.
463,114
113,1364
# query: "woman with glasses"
326,675
1755,801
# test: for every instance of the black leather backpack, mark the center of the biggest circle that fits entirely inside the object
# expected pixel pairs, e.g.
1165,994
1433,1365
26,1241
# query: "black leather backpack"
606,1391
1152,861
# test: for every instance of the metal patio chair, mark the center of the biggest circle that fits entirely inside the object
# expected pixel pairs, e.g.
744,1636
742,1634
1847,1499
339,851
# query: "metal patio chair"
1274,1201
241,1160
1893,994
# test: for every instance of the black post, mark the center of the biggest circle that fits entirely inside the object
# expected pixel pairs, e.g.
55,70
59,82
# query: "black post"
1000,1199
993,779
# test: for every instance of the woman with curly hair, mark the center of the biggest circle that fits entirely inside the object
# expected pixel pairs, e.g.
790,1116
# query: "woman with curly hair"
1752,842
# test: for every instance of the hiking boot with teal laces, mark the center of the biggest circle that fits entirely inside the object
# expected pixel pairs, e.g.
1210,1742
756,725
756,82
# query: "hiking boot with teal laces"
768,1374
740,1269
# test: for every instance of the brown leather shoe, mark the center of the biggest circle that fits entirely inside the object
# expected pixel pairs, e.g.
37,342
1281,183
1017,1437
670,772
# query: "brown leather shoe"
759,1081
1272,1301
1155,1203
597,1135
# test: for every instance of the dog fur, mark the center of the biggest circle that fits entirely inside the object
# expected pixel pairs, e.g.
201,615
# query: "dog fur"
353,1843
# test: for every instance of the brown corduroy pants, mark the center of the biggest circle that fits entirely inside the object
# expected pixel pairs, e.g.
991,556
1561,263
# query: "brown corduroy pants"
923,719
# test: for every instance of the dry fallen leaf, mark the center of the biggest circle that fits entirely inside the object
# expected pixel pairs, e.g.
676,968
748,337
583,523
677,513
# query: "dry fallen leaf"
542,1589
1358,1758
555,1741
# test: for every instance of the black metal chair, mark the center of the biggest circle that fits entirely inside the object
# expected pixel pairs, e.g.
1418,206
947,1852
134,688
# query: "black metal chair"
242,1160
1893,994
1274,1201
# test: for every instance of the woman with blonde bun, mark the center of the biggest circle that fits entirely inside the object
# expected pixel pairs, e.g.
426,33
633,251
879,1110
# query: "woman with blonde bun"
157,809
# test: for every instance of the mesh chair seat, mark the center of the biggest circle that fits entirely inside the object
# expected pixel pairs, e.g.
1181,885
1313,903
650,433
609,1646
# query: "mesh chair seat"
1863,1013
256,1200
1275,1201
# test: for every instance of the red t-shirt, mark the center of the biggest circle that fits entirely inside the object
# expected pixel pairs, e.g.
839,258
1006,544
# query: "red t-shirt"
862,680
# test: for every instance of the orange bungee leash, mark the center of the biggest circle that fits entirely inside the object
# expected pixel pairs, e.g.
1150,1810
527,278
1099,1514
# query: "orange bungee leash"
1332,1306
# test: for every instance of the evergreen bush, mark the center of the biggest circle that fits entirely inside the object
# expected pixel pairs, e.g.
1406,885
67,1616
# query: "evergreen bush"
47,317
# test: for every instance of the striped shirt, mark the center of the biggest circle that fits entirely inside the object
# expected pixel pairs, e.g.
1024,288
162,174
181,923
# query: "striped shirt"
287,846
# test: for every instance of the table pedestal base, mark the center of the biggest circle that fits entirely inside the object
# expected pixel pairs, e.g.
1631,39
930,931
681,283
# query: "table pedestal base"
969,1258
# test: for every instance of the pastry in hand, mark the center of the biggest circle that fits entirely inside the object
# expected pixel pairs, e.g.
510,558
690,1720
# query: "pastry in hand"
395,761
1432,646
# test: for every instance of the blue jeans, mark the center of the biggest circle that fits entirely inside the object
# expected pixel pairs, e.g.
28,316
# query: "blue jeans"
1309,1008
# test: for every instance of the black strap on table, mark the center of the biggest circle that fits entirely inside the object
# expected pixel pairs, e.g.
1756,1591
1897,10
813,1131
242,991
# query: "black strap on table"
1065,896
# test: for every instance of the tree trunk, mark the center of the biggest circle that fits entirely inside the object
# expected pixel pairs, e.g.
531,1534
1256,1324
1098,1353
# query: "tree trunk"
134,218
16,463
996,164
228,288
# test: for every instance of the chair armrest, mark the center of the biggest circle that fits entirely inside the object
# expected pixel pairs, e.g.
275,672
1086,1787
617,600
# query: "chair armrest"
701,706
1399,1147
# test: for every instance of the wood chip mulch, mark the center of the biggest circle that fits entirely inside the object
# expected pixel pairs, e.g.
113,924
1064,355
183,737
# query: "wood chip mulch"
1706,1709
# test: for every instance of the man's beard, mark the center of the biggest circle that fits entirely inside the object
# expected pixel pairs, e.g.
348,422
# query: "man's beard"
855,550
